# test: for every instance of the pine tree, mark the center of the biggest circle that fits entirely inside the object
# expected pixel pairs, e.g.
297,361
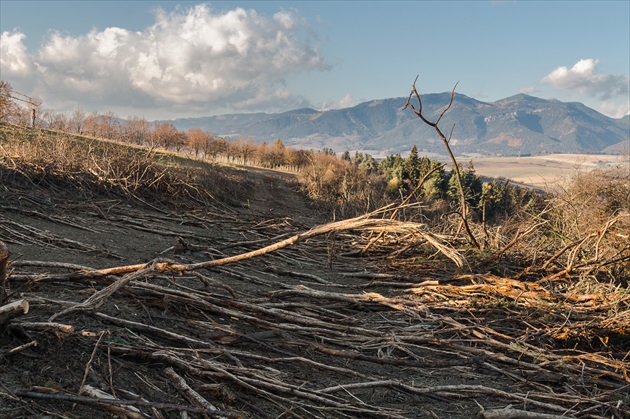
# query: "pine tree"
412,167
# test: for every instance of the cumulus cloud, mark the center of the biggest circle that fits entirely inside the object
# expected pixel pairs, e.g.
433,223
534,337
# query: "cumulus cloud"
14,59
584,78
194,58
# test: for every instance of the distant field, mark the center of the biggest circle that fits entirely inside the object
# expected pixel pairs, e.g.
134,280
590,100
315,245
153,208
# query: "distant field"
542,171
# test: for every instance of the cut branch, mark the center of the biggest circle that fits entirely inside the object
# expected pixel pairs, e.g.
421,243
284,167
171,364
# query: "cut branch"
13,309
364,222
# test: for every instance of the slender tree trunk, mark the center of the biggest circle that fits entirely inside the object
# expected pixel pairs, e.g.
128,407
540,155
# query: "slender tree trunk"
456,171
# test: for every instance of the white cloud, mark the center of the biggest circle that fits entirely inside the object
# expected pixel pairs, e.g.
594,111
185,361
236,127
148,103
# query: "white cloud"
14,59
527,90
584,79
345,102
190,58
614,110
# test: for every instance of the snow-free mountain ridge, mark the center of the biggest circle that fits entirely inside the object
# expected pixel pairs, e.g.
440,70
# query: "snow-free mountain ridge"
516,125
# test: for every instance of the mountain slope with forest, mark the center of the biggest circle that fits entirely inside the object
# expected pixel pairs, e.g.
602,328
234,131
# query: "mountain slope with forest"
517,125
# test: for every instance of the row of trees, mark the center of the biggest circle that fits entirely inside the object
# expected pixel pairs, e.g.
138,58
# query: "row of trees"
195,141
138,130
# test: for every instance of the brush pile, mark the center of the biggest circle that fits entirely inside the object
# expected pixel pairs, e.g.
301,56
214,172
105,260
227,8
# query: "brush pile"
115,305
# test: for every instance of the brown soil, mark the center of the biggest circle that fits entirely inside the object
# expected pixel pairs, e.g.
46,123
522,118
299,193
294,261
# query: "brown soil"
253,338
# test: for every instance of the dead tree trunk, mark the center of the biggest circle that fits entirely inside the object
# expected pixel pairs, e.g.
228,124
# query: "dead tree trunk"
456,171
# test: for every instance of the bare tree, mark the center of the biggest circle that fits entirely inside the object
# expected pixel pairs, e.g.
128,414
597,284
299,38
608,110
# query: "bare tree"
91,124
138,130
59,121
195,140
166,135
243,148
456,171
109,126
214,147
76,121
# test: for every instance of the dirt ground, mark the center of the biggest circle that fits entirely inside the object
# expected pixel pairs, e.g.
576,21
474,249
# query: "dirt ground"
309,330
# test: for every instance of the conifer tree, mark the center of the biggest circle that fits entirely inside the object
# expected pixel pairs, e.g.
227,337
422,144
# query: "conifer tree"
412,167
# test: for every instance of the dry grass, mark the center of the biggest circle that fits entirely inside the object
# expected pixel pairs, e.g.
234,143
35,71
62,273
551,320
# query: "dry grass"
89,167
543,171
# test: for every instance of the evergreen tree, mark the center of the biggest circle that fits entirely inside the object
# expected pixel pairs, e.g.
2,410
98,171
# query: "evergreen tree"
436,185
368,163
470,181
412,167
391,167
358,158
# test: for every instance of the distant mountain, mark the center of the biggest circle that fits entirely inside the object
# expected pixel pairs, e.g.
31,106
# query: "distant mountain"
516,125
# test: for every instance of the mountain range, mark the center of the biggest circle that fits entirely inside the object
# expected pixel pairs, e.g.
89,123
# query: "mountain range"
517,125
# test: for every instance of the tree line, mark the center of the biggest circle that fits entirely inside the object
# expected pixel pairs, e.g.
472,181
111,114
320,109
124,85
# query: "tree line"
348,183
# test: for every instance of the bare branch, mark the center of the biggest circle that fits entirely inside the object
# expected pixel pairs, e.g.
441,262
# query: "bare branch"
455,168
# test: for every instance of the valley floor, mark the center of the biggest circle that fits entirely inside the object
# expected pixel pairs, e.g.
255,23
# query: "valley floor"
546,171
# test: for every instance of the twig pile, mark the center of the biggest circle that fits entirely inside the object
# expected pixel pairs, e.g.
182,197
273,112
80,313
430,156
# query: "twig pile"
309,347
257,317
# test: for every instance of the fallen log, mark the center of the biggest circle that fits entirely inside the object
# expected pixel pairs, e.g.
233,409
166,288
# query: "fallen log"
363,222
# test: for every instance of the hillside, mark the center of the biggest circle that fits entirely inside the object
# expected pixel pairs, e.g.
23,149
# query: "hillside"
130,288
518,125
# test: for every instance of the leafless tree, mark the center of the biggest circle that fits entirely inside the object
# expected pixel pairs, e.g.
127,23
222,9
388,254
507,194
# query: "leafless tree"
168,137
445,140
138,130
76,121
195,140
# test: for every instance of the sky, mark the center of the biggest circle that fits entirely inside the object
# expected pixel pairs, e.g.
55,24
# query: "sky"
169,59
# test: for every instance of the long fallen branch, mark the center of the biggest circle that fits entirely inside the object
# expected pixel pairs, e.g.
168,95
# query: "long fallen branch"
364,222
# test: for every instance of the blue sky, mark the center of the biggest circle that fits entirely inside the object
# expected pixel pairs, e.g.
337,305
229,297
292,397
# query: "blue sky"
166,59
